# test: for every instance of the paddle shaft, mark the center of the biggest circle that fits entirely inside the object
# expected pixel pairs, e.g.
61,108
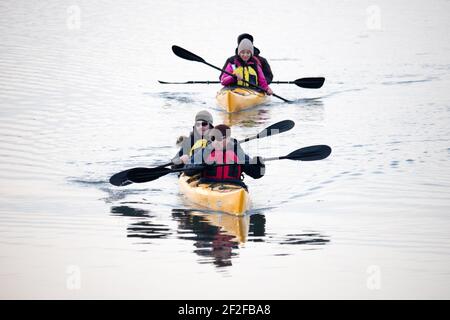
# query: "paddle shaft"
283,82
222,165
214,82
274,158
189,82
308,83
199,167
249,138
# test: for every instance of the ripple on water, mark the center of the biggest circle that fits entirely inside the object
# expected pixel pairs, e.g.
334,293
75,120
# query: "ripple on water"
179,97
394,163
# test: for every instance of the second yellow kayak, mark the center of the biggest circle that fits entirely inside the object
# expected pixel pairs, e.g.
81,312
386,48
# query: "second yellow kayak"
234,99
223,197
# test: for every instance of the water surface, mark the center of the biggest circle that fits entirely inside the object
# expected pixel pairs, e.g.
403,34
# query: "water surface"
80,101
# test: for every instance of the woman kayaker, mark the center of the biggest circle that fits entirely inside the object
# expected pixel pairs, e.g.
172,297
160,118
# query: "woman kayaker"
197,138
260,60
224,150
245,67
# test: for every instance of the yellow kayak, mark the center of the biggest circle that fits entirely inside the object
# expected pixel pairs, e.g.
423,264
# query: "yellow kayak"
239,98
223,197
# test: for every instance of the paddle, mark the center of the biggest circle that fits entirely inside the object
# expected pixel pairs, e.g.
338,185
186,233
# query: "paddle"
312,153
184,54
272,130
121,178
189,82
307,83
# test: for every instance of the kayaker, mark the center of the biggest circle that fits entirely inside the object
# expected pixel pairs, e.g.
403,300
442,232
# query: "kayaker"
197,138
260,60
224,150
245,67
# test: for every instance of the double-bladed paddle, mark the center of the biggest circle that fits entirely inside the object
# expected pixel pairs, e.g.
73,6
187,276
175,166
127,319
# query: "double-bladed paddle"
307,83
184,54
312,153
122,178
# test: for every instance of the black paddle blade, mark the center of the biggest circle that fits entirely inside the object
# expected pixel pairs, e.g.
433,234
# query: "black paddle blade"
276,128
310,83
120,179
184,54
140,175
311,153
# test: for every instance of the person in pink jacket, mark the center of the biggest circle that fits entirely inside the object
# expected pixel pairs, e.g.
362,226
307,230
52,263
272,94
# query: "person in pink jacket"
245,67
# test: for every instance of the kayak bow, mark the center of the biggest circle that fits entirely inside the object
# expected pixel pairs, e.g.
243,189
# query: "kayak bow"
234,99
223,197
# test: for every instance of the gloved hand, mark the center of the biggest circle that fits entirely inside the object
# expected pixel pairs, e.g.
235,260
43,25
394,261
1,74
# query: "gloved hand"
256,169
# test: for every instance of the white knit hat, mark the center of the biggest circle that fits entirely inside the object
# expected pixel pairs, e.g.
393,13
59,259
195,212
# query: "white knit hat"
245,45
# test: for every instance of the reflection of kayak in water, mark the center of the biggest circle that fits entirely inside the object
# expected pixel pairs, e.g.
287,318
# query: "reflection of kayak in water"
248,118
237,227
223,197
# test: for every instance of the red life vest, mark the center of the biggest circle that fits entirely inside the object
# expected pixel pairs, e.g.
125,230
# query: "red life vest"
227,172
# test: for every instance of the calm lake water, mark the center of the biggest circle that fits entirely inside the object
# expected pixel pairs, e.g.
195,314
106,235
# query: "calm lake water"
80,101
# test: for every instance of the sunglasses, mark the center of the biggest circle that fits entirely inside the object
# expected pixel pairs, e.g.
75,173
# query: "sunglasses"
201,123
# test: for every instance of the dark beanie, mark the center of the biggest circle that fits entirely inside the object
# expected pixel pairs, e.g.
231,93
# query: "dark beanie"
204,116
244,36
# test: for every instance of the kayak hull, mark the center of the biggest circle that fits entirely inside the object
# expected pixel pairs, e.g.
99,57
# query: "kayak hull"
221,197
239,98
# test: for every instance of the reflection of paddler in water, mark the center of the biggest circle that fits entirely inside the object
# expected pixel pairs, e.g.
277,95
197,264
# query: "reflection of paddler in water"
217,234
236,227
146,227
208,239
